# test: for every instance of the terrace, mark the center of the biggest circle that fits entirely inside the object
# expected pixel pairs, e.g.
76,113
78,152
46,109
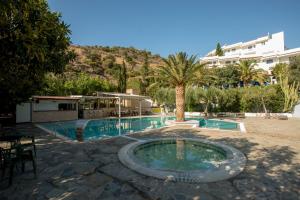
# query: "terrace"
73,170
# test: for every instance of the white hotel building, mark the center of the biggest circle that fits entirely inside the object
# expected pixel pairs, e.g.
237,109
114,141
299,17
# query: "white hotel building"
267,51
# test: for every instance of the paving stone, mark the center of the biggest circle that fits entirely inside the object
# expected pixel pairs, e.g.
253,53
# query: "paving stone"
84,168
92,171
56,194
95,180
65,183
134,196
179,196
104,159
113,189
119,171
109,149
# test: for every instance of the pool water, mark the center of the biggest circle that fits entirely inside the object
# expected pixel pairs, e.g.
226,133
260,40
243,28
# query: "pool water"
103,128
220,124
179,155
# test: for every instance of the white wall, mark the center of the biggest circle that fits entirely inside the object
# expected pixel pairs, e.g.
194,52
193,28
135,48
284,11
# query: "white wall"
275,44
264,114
48,105
297,111
23,113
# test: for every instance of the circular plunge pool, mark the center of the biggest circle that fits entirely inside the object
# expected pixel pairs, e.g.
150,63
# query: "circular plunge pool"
184,159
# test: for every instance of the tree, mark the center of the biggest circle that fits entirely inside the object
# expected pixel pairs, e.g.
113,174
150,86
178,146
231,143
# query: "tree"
227,76
144,76
290,91
229,100
219,50
280,70
33,41
130,61
122,81
261,76
264,93
54,85
79,84
165,96
249,73
261,99
294,69
178,71
208,96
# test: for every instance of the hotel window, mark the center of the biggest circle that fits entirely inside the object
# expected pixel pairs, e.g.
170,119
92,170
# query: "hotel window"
227,62
249,47
263,43
233,50
67,106
269,61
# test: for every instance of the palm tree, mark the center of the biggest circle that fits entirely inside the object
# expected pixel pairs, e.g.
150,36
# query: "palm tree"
261,76
179,70
207,96
247,71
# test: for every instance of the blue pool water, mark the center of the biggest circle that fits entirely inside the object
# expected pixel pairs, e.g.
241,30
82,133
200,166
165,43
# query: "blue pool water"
103,128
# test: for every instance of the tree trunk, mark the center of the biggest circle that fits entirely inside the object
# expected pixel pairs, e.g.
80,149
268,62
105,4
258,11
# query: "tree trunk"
206,109
180,101
267,115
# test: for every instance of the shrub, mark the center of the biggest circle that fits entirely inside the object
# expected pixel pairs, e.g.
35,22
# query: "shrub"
252,99
230,101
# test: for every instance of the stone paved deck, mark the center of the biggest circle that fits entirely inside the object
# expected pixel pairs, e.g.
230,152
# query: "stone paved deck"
91,170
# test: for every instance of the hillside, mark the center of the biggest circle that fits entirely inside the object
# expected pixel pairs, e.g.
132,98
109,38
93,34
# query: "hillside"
98,60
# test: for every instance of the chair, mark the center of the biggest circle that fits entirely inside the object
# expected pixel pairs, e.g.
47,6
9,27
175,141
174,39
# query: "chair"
30,144
17,154
7,160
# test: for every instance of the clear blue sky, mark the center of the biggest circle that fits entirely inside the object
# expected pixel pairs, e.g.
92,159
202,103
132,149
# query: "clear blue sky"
169,26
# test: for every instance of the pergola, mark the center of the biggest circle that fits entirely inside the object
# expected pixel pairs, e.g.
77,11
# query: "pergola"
123,96
116,96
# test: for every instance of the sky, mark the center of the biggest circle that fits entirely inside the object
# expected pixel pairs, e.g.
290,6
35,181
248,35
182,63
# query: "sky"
168,26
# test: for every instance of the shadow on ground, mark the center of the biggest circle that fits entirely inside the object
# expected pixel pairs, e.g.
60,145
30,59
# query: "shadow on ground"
91,170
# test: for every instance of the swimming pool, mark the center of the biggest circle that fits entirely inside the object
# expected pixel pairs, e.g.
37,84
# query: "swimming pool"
105,128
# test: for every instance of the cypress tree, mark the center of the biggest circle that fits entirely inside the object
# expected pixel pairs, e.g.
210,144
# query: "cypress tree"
219,51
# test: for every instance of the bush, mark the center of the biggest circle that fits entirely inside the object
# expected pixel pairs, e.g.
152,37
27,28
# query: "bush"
252,99
229,101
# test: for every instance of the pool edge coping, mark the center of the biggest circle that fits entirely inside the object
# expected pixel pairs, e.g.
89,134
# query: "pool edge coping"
58,135
226,170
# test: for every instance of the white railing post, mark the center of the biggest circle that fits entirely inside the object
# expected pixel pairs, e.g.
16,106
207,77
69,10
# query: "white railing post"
140,108
119,107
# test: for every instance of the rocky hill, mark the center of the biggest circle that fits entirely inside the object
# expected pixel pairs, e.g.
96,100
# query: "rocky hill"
97,60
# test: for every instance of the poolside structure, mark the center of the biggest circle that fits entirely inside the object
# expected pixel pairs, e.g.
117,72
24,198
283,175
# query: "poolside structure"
105,104
102,104
47,108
